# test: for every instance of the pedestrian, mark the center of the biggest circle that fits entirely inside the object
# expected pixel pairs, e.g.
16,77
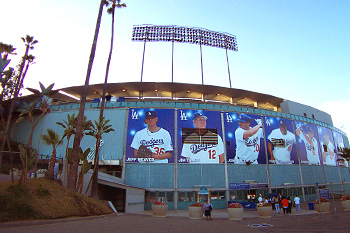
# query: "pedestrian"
260,199
297,203
207,210
277,205
284,204
273,202
290,205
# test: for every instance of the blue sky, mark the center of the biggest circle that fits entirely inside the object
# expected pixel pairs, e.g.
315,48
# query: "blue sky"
297,50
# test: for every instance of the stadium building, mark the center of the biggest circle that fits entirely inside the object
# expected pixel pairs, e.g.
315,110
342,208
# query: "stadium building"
290,148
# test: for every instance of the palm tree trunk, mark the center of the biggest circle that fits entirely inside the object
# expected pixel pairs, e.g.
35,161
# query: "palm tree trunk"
50,172
72,177
94,187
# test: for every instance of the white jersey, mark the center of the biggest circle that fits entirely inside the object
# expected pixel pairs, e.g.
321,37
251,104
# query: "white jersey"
158,142
311,151
203,153
247,149
282,145
329,160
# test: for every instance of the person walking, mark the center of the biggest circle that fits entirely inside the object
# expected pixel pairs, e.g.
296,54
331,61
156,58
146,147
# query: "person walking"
297,203
277,205
284,204
207,210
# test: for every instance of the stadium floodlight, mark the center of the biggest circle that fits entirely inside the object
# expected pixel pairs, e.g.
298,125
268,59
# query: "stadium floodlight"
200,36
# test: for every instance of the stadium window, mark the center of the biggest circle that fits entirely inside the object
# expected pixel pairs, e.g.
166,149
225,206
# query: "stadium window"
313,116
305,114
182,196
161,196
222,195
152,197
214,195
169,196
191,196
233,194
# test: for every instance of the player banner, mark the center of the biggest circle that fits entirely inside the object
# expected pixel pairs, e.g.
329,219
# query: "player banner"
150,135
244,138
307,142
328,152
199,137
281,144
339,144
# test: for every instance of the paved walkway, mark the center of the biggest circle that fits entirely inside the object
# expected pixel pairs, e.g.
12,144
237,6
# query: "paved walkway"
222,213
178,221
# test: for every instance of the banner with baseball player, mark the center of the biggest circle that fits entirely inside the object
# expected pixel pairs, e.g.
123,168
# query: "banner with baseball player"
328,152
245,138
150,135
307,142
281,144
339,144
199,137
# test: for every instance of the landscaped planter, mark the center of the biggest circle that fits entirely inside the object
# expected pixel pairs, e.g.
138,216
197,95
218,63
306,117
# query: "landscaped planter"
159,210
264,211
235,213
346,205
324,207
196,212
345,202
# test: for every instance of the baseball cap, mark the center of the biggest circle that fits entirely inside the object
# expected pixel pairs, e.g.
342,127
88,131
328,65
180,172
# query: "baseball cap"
283,123
244,118
199,114
309,130
151,114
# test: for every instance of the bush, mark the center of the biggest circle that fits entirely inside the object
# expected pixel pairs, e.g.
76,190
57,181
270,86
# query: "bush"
159,203
263,204
197,204
235,205
322,200
345,198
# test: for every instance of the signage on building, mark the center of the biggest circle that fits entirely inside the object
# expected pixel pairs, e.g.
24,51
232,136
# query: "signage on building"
323,193
243,186
203,191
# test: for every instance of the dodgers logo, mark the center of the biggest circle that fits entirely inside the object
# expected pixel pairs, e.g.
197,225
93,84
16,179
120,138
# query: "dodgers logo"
268,123
228,118
183,116
134,115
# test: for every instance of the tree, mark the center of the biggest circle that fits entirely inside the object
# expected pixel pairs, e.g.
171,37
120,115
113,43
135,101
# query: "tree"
99,128
29,43
28,156
6,49
111,10
69,130
52,139
72,177
42,104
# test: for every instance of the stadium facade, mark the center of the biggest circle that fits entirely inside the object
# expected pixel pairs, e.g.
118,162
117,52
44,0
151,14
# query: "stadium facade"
133,183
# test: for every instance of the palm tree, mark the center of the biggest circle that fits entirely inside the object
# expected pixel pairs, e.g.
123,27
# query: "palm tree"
98,129
52,139
69,130
72,177
29,43
6,49
111,10
28,156
28,112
